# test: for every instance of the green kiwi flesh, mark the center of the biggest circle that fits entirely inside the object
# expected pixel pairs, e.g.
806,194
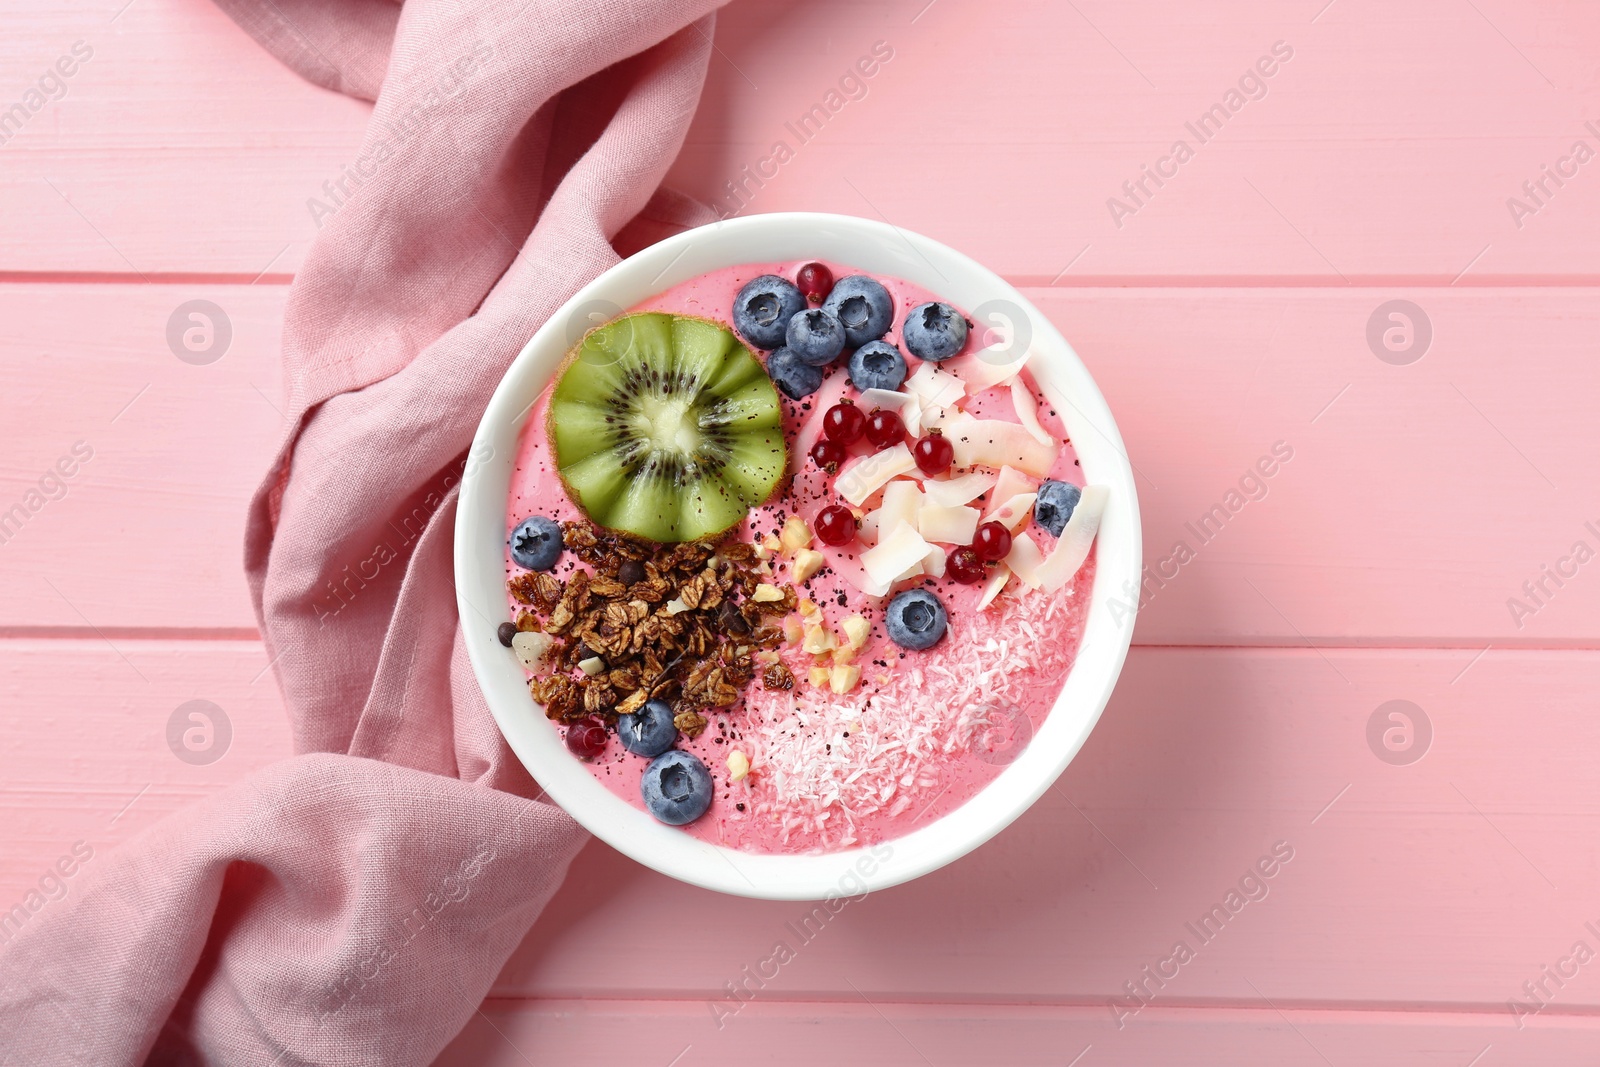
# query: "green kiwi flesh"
666,427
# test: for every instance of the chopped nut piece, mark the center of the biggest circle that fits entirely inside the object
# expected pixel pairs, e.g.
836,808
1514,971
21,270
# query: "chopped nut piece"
766,593
795,535
531,647
820,677
592,666
781,606
792,630
738,765
856,628
676,606
767,655
819,639
806,562
844,654
807,606
771,543
844,678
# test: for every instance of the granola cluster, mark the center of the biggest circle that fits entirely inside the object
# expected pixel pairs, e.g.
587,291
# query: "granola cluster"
690,623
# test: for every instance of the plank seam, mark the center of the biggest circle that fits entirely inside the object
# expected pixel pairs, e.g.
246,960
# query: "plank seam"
1412,1010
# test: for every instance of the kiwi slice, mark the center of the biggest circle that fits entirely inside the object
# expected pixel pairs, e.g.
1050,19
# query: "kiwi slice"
666,427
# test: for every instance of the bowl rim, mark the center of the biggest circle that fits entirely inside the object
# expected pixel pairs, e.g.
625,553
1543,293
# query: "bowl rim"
867,245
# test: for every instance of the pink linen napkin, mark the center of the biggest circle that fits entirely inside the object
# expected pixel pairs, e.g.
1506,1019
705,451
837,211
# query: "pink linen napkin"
352,904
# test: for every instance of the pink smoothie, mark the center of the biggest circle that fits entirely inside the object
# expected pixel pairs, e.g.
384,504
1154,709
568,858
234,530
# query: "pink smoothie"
923,731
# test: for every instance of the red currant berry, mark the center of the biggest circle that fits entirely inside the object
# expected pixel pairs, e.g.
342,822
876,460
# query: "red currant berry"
993,541
814,280
963,565
884,428
586,738
827,451
835,525
844,422
933,453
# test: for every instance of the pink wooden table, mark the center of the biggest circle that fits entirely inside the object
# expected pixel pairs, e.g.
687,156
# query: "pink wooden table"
1430,541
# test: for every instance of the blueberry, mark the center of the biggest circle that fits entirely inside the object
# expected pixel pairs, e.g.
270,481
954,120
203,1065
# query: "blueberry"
649,731
934,331
536,543
816,337
676,787
794,376
877,365
763,308
1053,506
863,306
915,619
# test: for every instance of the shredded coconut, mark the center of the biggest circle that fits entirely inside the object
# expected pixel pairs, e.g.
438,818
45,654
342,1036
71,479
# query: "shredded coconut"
823,766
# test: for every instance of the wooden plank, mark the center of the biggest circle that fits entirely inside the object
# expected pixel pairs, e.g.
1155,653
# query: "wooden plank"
1419,498
511,1034
1414,507
181,146
175,450
87,754
1448,881
1387,145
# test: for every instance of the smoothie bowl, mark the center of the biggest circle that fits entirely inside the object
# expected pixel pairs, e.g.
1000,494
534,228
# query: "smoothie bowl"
787,552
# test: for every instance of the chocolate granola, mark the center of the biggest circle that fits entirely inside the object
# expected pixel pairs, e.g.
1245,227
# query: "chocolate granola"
679,622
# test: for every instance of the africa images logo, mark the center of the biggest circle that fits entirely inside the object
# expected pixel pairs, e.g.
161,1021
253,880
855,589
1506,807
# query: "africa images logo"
1252,85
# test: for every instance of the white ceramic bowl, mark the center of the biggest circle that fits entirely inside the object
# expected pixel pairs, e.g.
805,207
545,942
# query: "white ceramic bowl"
873,248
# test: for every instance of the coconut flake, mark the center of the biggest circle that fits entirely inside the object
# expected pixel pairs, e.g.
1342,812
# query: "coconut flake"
896,552
1027,408
1011,482
901,502
995,582
1073,546
1013,512
860,479
906,405
953,492
952,526
867,528
937,388
1025,559
988,367
996,443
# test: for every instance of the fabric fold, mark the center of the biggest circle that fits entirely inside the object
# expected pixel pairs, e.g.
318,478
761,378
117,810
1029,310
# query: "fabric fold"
352,904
